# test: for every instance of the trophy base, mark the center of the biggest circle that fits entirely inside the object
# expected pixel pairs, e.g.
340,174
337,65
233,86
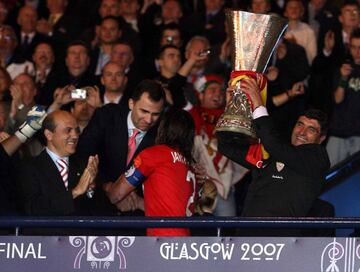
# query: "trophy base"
237,137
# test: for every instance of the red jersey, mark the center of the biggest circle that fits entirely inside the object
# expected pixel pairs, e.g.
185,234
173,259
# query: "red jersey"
168,185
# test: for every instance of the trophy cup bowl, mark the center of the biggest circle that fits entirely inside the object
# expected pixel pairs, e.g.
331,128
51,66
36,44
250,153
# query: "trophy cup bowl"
253,40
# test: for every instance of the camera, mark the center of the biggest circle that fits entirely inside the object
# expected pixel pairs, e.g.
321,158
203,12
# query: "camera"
78,94
204,53
169,39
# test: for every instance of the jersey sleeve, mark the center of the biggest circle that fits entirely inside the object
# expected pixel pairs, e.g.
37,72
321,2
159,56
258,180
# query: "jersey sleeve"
142,167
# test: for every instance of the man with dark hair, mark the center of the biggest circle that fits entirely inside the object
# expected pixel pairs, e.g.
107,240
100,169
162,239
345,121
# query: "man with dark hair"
290,180
117,134
55,182
77,63
164,170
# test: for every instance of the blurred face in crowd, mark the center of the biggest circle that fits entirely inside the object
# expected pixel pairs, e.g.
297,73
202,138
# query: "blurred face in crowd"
318,4
260,6
109,8
57,6
197,46
212,97
145,112
82,111
294,10
5,81
8,41
349,16
170,61
171,11
77,60
109,31
306,131
43,56
213,5
129,7
113,78
355,49
3,12
4,113
27,87
27,19
63,140
171,36
122,54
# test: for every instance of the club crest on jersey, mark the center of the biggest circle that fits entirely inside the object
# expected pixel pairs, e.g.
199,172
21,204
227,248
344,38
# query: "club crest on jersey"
279,166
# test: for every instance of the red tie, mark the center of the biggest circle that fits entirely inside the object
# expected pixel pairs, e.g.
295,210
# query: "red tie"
132,145
63,171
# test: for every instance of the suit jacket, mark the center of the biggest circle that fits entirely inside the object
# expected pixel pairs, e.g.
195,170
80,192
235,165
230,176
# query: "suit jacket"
107,135
27,51
43,189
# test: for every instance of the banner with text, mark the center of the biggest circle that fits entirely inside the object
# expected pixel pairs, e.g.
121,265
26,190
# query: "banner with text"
170,254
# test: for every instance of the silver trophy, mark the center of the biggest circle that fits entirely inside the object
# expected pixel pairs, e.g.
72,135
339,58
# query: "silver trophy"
253,40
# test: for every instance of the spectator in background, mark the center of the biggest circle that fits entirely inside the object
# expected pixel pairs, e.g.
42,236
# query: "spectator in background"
27,36
286,89
13,64
219,168
321,16
23,92
45,72
209,23
299,32
334,51
130,11
344,133
114,81
108,33
3,13
122,53
77,63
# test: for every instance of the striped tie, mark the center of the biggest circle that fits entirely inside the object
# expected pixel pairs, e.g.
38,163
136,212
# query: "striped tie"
132,145
63,171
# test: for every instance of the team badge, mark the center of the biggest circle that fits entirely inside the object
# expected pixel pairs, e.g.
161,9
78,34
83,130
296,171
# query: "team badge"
279,166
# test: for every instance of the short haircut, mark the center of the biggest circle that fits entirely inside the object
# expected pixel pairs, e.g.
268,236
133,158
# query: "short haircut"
49,123
171,26
197,38
153,88
163,49
320,116
110,17
77,43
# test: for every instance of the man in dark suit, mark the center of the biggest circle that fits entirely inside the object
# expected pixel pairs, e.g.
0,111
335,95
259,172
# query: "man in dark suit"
55,183
109,130
27,35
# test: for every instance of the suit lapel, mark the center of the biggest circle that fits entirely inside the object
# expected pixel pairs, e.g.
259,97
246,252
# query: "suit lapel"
74,173
50,170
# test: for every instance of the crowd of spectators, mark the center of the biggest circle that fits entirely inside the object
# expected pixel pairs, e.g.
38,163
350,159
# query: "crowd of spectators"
49,48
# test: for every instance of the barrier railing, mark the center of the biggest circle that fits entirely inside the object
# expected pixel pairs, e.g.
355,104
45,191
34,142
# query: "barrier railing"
180,222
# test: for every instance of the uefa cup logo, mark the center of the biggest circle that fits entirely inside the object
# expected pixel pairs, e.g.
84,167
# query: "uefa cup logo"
101,251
